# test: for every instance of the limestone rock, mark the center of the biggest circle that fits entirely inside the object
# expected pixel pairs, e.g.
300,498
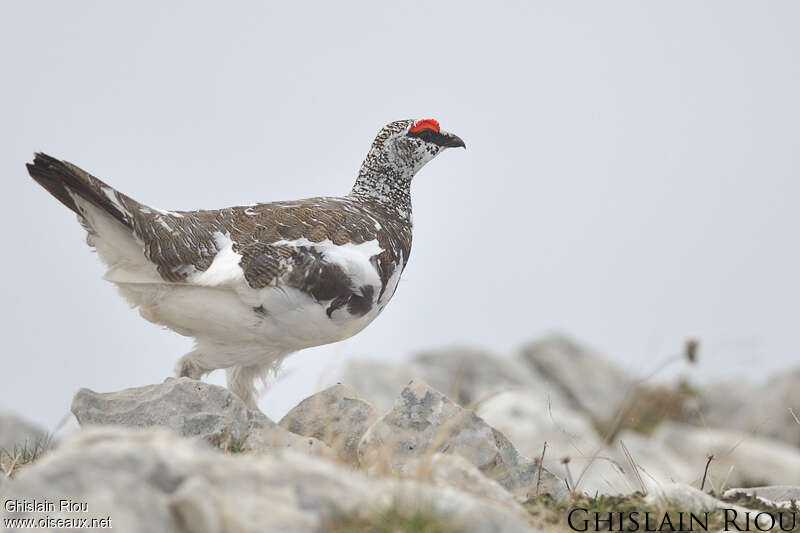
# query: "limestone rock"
265,436
739,459
529,418
771,409
424,421
690,499
658,464
778,494
190,408
594,384
460,510
152,480
608,470
446,470
335,416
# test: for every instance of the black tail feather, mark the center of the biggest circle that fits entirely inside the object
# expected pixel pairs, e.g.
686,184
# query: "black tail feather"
61,178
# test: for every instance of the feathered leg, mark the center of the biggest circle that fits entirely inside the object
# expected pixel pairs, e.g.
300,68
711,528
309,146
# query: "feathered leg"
241,381
190,366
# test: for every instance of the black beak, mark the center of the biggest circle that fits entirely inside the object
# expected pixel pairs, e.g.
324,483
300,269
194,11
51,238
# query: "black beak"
440,138
452,141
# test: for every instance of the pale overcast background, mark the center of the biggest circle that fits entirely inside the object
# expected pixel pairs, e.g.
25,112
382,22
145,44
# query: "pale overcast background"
631,176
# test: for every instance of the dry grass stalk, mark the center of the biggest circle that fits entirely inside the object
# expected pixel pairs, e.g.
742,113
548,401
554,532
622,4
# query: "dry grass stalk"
539,472
692,346
705,472
23,455
635,469
794,415
568,478
725,481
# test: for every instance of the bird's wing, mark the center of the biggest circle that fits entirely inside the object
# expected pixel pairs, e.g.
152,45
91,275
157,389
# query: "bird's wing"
262,244
325,248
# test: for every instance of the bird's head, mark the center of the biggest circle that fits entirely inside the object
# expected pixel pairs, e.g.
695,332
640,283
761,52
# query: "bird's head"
408,144
400,150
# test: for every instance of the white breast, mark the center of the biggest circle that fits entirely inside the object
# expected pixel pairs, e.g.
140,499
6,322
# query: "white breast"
295,320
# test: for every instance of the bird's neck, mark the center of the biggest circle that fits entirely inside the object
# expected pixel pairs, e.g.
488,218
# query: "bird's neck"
386,185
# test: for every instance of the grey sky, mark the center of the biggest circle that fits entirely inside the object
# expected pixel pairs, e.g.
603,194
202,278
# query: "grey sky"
631,175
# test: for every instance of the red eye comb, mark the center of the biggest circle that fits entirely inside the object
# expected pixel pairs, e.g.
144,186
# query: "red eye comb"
424,124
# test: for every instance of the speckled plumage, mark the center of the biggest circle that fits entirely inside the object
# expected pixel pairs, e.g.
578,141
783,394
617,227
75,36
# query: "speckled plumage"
254,283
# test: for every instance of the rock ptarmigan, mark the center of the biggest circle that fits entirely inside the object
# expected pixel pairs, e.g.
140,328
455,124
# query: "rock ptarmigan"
252,284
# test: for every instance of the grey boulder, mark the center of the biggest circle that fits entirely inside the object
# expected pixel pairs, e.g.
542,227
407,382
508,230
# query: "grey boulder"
190,408
595,467
690,499
335,416
777,494
531,417
447,470
423,421
740,459
592,383
771,409
152,480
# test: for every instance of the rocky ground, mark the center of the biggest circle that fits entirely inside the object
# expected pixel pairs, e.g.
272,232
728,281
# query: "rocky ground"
450,441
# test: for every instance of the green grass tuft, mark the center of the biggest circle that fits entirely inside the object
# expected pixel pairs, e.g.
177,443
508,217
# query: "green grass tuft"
228,442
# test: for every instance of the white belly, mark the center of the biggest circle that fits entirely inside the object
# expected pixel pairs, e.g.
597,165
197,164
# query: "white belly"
220,309
291,320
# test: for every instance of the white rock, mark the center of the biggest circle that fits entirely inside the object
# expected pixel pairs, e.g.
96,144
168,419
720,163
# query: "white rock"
739,459
423,421
609,471
529,418
690,499
335,416
594,384
766,410
459,509
446,470
777,494
117,472
191,408
152,480
658,464
265,436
